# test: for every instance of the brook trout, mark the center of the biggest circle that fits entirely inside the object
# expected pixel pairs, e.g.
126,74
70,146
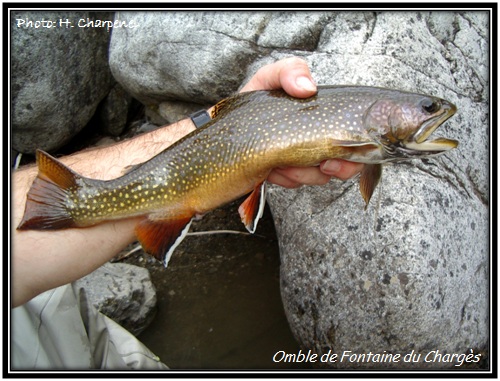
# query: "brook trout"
249,135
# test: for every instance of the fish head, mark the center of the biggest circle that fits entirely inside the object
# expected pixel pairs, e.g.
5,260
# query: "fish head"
402,125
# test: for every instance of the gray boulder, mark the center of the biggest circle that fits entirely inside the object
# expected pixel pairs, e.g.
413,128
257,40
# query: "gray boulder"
122,292
202,57
182,55
59,76
113,111
410,273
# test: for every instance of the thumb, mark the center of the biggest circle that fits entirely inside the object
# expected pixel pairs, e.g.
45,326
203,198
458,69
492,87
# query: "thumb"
291,74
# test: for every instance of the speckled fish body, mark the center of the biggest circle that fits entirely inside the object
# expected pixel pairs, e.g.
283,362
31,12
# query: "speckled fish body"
250,134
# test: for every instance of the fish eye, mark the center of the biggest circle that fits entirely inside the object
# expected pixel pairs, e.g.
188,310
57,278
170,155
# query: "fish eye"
430,106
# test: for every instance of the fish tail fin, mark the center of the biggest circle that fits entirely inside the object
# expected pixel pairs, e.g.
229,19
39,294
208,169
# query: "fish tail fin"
46,199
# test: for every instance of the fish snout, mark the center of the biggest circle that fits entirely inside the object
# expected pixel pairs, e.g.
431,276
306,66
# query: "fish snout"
438,111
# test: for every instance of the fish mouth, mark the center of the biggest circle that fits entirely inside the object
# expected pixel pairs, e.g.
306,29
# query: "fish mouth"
419,144
429,147
446,111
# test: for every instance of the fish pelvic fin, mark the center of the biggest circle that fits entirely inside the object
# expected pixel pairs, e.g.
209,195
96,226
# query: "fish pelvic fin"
252,209
46,199
160,237
370,177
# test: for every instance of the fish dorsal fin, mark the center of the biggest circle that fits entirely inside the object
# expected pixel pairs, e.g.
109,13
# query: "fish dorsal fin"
220,107
252,209
370,177
160,237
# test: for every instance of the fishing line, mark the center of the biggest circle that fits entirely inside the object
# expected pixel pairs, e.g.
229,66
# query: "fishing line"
18,161
208,232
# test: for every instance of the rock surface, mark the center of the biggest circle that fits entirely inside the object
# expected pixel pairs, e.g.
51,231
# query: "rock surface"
122,292
59,76
113,111
207,58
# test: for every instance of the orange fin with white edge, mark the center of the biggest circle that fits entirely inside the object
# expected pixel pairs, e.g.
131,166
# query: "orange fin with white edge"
252,209
160,237
46,199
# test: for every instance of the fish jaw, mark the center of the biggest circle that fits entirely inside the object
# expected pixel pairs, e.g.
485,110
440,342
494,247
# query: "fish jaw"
447,110
420,145
428,147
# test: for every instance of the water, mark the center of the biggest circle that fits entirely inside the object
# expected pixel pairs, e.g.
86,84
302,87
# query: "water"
219,303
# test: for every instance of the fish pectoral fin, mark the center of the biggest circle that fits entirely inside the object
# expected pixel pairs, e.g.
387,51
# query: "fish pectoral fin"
353,143
252,208
370,177
160,237
355,150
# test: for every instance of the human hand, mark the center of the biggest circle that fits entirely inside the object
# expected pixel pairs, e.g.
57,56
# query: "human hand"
293,75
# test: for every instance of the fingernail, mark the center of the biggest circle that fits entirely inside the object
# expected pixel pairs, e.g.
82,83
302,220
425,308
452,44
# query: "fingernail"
305,84
331,167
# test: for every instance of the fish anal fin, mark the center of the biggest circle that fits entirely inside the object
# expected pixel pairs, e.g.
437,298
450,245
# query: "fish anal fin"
160,237
252,208
370,177
46,200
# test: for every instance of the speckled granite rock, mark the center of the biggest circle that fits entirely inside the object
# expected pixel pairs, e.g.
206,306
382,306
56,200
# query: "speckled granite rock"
410,273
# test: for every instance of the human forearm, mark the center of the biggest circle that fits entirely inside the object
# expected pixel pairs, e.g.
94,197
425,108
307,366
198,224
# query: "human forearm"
47,259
